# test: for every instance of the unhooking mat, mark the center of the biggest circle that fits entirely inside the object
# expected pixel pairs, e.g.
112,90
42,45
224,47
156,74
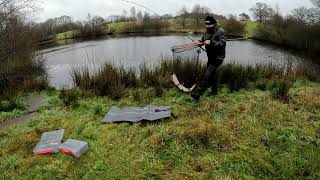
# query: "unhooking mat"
134,114
49,143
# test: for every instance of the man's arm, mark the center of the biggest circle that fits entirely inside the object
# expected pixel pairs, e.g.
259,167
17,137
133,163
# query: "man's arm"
200,41
221,39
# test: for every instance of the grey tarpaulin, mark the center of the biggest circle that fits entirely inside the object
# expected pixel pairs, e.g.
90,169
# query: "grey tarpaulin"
49,143
135,114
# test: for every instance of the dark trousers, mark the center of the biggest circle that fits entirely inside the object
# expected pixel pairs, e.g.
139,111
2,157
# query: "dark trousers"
209,79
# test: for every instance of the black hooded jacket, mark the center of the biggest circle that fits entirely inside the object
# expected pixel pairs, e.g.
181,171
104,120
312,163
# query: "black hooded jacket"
217,48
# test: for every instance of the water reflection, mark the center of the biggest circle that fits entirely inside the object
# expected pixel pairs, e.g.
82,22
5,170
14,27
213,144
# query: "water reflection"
133,51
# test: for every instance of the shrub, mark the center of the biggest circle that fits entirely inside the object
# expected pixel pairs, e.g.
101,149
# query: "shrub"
280,89
149,76
98,110
19,61
233,26
262,84
235,76
308,71
9,105
28,73
289,32
109,80
82,78
70,97
189,71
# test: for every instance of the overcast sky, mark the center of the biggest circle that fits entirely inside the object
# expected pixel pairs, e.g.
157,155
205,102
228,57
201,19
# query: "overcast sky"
78,9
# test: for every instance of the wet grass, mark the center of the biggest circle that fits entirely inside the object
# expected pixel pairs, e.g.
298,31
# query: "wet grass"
244,134
263,124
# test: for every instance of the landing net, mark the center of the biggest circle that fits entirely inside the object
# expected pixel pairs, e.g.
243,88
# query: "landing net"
187,68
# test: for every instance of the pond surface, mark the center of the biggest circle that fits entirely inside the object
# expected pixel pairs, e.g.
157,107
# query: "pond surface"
135,50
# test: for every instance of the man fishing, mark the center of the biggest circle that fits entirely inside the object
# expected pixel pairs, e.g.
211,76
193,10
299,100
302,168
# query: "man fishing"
215,44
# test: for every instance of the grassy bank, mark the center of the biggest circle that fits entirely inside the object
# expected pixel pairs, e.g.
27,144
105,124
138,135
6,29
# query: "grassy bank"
263,124
244,134
235,28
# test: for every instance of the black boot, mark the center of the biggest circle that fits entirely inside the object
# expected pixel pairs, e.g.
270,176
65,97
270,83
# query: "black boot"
214,91
195,96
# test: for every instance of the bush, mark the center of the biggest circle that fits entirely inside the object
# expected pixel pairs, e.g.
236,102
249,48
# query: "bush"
235,76
262,84
233,26
29,73
109,80
308,71
70,97
280,89
19,62
289,32
149,76
9,105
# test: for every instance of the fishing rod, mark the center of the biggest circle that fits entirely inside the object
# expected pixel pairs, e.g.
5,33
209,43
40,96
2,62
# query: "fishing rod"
175,79
150,10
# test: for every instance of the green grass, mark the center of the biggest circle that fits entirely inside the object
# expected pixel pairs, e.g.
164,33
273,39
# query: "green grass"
245,134
15,106
117,27
66,35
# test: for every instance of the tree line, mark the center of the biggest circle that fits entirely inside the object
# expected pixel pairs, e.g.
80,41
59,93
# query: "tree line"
137,21
299,30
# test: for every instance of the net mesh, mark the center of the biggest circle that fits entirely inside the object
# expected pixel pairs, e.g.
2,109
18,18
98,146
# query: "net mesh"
186,51
187,66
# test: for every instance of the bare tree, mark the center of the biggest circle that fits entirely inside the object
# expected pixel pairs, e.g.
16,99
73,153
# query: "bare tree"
183,15
316,3
97,21
124,16
19,7
146,17
307,16
133,13
301,14
244,17
199,13
261,11
139,16
18,59
313,16
12,17
277,22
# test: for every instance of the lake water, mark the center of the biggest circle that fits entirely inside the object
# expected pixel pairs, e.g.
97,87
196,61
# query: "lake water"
135,50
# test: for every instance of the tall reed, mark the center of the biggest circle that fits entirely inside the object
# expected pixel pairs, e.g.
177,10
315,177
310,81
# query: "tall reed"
112,80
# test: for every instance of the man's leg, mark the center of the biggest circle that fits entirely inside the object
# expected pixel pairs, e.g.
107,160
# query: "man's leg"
215,79
205,83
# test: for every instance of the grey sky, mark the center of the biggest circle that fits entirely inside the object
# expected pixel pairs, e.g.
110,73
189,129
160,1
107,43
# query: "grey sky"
78,9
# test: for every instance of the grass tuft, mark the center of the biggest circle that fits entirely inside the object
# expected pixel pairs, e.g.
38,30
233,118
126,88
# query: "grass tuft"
280,89
112,81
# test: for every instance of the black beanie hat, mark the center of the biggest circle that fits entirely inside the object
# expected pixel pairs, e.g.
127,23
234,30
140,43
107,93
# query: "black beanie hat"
210,19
